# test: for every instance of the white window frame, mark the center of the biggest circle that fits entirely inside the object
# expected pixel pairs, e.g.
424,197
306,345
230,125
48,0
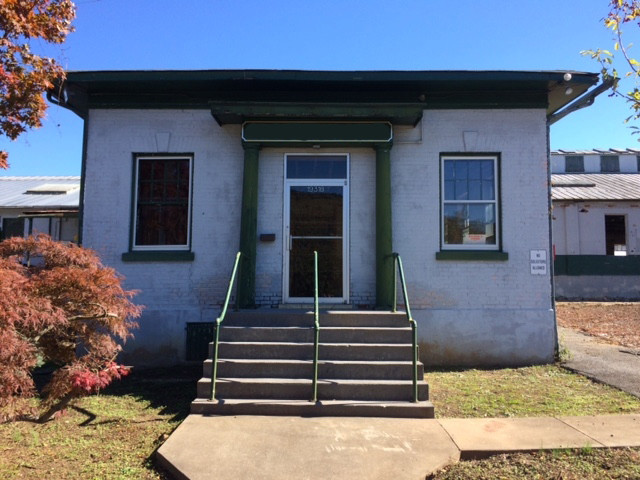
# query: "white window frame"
495,201
134,226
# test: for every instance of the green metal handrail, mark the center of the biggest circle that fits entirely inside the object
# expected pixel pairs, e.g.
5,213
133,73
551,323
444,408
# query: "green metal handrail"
316,327
414,326
216,328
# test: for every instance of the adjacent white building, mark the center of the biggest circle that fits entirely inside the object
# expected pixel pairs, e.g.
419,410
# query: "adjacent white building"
596,215
448,169
43,204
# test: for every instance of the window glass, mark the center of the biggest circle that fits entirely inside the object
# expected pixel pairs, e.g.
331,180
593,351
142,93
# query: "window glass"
162,207
469,206
316,166
609,164
574,164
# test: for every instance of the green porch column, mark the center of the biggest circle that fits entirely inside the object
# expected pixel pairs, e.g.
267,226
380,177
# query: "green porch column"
248,228
384,244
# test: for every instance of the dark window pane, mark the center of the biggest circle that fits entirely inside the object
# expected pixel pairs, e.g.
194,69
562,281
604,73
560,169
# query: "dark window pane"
162,216
574,164
615,234
454,223
322,166
12,227
609,163
329,267
326,204
144,192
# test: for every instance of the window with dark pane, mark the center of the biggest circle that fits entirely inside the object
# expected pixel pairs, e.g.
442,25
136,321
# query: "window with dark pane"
162,209
469,203
574,164
609,164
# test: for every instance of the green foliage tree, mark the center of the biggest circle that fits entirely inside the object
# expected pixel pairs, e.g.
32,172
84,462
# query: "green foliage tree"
58,304
24,75
618,64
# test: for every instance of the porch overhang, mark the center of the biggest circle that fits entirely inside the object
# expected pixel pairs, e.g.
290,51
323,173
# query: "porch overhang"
241,112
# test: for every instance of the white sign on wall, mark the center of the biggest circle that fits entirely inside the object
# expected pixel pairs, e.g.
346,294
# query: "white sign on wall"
538,260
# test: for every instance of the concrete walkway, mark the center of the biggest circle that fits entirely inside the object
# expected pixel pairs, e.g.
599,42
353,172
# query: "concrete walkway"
226,447
611,364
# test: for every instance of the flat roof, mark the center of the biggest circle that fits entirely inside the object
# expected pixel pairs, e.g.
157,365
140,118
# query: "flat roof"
426,89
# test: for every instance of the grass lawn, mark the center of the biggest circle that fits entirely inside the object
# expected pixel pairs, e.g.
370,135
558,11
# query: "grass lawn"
108,436
114,435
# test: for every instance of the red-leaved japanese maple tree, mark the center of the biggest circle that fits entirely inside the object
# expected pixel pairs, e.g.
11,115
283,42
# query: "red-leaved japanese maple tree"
58,304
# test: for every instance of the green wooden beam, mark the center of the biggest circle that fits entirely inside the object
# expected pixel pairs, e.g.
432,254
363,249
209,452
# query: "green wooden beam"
384,240
317,132
248,228
396,113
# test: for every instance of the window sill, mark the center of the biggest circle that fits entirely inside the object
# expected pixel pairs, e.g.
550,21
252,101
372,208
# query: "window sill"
472,255
158,256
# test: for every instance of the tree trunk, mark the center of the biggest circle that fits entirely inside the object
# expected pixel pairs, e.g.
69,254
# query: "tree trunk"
60,405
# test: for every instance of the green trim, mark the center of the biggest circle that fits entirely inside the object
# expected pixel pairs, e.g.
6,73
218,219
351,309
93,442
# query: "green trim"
384,239
249,228
237,112
134,184
316,132
158,256
472,255
498,157
597,265
83,176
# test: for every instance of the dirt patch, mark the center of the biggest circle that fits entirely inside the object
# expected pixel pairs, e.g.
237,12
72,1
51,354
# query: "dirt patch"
613,322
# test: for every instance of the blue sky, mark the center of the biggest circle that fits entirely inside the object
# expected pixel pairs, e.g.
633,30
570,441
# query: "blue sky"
329,35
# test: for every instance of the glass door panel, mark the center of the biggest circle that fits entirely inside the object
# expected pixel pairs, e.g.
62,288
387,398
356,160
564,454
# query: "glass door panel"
316,214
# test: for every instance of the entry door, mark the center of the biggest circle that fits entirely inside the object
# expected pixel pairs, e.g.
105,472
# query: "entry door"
316,220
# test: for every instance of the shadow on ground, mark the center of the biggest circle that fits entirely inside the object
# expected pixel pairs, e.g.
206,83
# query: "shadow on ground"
170,389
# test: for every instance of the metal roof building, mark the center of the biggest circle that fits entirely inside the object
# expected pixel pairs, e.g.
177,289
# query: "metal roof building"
595,186
40,192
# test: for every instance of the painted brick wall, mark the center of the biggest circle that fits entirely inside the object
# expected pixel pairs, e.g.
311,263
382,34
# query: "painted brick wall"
174,292
469,312
477,312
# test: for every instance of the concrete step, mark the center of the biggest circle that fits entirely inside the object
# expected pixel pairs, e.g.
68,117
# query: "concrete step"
327,334
304,351
333,408
354,369
300,389
329,318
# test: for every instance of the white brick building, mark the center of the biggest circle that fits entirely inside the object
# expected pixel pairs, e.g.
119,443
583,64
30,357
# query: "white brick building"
32,205
449,169
596,219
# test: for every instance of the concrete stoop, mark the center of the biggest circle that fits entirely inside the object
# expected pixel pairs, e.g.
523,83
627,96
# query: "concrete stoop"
265,366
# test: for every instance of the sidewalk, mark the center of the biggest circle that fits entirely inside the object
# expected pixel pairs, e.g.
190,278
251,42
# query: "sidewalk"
611,364
337,448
